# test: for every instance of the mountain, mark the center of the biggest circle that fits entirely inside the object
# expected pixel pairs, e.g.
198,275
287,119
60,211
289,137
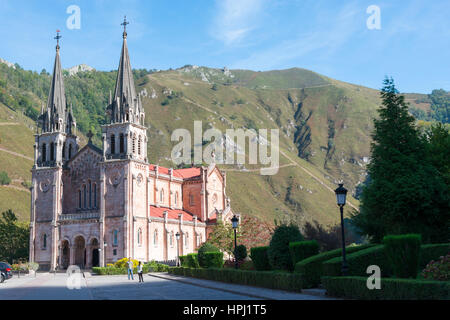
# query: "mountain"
79,68
325,127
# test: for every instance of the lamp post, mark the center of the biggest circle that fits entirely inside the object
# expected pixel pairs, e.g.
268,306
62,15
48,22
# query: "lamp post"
235,223
341,194
177,236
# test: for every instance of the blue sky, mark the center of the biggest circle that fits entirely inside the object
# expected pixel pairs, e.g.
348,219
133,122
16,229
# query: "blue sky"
329,37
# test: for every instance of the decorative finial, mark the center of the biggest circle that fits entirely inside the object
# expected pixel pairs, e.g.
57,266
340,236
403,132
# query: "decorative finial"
90,135
57,39
124,24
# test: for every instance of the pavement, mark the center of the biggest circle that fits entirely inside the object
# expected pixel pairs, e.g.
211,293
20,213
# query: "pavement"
156,286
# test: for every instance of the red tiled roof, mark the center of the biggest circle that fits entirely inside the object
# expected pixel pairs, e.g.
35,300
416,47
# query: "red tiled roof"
188,172
171,213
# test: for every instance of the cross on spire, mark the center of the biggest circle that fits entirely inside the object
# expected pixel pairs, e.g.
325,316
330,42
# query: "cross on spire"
57,39
124,24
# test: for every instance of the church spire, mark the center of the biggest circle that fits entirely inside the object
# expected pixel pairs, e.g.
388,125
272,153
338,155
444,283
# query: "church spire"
55,118
124,103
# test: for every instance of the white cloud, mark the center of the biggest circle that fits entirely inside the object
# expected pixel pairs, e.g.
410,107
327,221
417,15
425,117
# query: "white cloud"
235,19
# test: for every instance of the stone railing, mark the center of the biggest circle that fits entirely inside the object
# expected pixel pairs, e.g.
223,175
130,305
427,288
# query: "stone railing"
79,216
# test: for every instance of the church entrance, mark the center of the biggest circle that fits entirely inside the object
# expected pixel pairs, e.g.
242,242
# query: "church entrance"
80,252
95,253
65,261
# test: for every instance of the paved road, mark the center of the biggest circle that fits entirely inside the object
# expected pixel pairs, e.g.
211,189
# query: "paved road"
47,286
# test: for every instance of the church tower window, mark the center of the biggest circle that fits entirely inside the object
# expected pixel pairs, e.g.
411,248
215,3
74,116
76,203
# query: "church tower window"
64,150
134,143
79,199
90,194
52,151
139,145
113,144
122,143
44,242
44,152
115,237
84,197
95,195
70,151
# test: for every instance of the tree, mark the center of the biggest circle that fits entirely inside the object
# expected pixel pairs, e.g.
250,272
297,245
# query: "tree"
437,140
222,236
14,237
4,179
278,253
406,193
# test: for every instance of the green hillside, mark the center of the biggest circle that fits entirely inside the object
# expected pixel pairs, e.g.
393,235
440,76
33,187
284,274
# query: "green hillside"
325,128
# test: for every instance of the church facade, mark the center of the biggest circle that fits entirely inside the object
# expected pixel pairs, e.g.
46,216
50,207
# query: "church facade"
91,206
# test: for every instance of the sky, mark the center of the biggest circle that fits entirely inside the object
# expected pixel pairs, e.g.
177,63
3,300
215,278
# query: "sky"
345,40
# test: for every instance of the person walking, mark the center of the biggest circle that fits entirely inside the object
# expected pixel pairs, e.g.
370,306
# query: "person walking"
130,269
139,270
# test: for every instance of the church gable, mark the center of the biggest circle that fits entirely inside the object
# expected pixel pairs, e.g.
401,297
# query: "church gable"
86,159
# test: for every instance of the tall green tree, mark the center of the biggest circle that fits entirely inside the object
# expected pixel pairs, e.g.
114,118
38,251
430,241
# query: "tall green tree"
14,238
406,194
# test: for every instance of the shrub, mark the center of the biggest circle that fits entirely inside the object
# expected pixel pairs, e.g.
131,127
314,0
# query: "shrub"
260,258
123,263
430,252
311,268
265,279
4,179
358,262
391,289
192,260
247,265
438,270
152,266
402,252
213,259
183,261
302,250
206,247
278,253
241,252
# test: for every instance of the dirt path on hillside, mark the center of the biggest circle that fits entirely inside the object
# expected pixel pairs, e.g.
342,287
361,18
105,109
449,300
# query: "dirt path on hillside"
9,123
16,154
15,187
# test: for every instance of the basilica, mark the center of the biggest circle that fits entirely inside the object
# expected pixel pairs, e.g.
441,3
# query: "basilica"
92,206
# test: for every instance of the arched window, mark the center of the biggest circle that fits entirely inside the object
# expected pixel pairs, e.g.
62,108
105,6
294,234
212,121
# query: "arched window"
70,151
95,195
79,199
122,143
115,237
44,152
84,196
113,144
44,241
155,238
191,199
171,239
139,236
161,195
52,151
90,194
186,239
139,145
134,143
64,150
176,198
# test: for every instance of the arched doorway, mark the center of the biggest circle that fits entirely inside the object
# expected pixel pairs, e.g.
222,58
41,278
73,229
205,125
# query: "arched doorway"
95,253
80,252
65,258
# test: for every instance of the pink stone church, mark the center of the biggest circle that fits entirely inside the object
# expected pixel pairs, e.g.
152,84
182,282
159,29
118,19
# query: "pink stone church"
93,206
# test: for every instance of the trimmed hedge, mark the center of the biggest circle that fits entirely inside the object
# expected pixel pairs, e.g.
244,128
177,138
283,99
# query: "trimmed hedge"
241,252
303,249
358,263
266,279
391,289
213,259
403,252
311,268
192,260
430,252
183,261
260,258
206,247
148,267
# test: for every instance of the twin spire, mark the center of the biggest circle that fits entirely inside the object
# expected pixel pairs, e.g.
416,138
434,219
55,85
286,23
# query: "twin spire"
125,107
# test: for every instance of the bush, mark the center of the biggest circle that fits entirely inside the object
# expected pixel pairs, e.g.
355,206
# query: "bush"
241,252
213,259
278,253
358,262
438,270
183,261
403,252
206,247
311,268
429,252
391,289
123,263
302,250
152,266
265,279
4,179
260,258
192,260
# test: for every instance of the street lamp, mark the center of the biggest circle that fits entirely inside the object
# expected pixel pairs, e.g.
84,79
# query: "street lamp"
235,223
341,194
177,236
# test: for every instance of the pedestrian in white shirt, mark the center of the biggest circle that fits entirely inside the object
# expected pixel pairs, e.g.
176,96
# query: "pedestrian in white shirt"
139,270
130,269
